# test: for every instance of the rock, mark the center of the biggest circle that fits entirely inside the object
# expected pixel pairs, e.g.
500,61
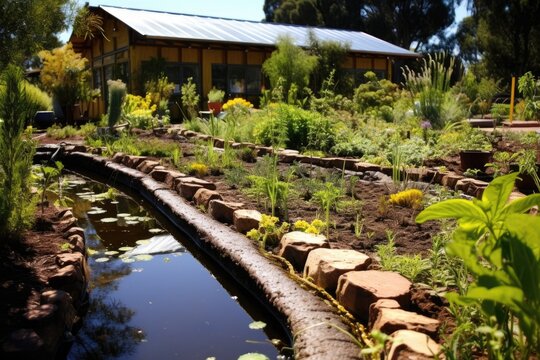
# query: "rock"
264,150
70,279
159,174
66,224
74,231
288,156
203,196
348,164
408,344
77,243
357,290
450,180
133,161
377,306
147,166
219,143
41,313
65,215
188,190
391,320
325,266
245,220
57,297
193,180
76,259
223,211
171,176
118,158
296,245
25,343
363,166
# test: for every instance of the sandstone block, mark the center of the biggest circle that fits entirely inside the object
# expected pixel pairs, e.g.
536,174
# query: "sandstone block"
171,177
203,197
74,231
357,290
66,224
193,180
325,266
245,220
188,190
408,344
223,211
296,245
75,259
363,166
147,166
391,320
118,158
133,161
377,306
159,174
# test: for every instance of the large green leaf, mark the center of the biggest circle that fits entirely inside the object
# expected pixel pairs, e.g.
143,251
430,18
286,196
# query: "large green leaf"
497,192
527,230
509,296
521,205
454,209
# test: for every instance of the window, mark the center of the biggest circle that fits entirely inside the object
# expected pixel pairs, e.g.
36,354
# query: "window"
237,80
179,73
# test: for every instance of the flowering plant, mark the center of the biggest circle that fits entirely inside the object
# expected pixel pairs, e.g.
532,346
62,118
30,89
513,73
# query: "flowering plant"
237,103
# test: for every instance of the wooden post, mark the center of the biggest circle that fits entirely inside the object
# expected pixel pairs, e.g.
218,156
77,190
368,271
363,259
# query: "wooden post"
512,95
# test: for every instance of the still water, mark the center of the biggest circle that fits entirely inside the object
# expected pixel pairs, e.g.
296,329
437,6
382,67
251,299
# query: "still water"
158,306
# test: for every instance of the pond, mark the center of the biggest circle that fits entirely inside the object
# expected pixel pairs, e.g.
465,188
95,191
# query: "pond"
145,303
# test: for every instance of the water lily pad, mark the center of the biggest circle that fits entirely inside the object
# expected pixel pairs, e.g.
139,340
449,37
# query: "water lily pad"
126,248
91,252
96,212
144,218
86,193
156,231
253,356
123,215
256,325
128,260
132,222
102,259
142,242
132,218
143,257
109,220
111,253
114,202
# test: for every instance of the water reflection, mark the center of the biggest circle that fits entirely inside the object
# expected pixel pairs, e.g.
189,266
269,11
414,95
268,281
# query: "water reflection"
169,307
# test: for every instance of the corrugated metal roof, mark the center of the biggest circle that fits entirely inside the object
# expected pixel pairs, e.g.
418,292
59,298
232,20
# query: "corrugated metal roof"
154,24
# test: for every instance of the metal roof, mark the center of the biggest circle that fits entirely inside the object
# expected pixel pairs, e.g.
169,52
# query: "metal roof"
165,25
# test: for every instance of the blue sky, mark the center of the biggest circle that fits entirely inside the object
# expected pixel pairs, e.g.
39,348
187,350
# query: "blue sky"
234,9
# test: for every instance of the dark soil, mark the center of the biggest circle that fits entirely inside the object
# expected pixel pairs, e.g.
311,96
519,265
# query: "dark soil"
25,266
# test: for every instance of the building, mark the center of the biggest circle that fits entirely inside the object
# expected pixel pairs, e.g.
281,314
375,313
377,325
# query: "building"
224,53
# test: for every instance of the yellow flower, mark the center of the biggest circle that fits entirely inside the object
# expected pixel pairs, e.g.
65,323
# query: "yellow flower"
411,198
301,225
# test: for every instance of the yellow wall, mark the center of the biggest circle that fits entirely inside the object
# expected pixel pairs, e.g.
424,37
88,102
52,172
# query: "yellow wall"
235,57
209,57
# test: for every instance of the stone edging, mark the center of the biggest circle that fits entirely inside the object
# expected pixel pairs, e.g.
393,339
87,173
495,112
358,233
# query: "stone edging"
47,324
302,311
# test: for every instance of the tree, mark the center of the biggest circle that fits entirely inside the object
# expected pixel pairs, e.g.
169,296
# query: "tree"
29,26
63,74
467,40
401,22
508,36
289,65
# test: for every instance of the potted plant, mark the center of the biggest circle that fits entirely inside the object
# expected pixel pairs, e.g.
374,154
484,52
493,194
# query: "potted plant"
215,100
475,150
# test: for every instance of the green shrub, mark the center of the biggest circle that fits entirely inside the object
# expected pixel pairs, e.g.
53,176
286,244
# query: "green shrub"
117,94
16,152
376,96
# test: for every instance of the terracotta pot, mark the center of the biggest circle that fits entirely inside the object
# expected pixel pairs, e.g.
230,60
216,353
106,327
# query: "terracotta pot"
474,159
215,107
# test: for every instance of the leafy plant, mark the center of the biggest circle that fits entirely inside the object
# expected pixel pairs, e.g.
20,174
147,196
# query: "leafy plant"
190,98
315,227
197,169
48,175
216,95
16,153
499,246
268,232
328,198
528,86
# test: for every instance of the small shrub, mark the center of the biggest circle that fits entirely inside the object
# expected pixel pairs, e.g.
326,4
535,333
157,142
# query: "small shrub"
198,169
315,227
268,232
248,155
117,94
411,198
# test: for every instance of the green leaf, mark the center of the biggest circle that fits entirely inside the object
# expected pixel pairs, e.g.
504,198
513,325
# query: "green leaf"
507,295
497,192
253,356
519,206
454,209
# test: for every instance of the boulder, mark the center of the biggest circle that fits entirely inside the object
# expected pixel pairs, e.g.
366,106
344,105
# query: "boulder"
408,344
171,176
357,290
223,211
296,245
390,320
245,220
203,196
325,266
75,259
